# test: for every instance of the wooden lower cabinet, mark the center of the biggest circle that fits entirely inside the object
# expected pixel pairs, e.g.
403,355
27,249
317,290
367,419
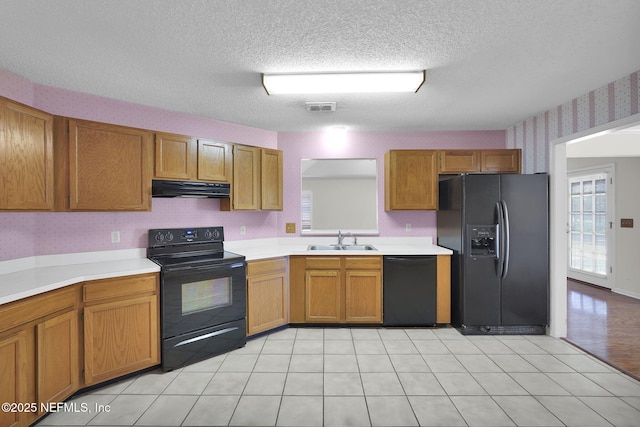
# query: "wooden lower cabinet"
363,296
43,337
57,357
121,327
267,295
14,377
323,296
39,353
340,289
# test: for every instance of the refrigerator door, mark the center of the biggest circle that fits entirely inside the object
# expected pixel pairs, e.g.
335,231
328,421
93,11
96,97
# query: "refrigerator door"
526,282
481,284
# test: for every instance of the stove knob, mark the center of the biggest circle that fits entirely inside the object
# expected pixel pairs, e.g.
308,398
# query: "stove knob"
159,237
208,234
169,236
216,234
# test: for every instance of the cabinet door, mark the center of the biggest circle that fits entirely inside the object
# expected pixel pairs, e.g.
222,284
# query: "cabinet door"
246,178
411,180
459,161
120,337
500,161
271,180
267,302
214,161
109,167
57,357
14,378
323,294
26,158
363,290
175,157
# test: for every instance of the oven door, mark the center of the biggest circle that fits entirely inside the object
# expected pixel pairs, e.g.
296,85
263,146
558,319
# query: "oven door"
201,297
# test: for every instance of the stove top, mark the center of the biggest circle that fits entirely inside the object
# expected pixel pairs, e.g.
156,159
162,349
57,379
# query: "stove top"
189,247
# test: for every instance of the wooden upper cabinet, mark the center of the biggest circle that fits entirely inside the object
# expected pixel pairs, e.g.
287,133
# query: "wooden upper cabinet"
411,179
459,161
271,179
257,179
246,178
502,161
102,167
480,161
175,157
183,158
26,158
214,161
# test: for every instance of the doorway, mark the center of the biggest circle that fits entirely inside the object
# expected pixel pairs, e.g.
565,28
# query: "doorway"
559,209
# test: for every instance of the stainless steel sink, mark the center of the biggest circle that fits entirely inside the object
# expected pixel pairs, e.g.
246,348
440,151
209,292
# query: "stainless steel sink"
324,248
359,248
341,248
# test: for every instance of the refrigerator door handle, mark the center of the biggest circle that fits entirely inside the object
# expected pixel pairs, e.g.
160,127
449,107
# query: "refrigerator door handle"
506,236
499,240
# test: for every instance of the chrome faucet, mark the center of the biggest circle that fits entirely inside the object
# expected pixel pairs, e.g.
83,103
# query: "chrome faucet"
342,236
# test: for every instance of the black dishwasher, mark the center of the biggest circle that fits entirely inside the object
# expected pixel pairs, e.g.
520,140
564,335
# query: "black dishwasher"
409,284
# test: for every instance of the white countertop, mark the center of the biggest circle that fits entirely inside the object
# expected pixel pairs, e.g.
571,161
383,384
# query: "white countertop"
286,246
26,277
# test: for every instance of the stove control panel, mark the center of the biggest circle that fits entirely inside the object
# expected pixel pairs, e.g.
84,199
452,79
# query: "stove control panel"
176,236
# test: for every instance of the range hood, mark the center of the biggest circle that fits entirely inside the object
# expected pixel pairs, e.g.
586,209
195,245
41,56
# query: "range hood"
163,188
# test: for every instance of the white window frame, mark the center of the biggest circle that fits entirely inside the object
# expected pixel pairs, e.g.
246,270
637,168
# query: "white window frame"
606,280
306,215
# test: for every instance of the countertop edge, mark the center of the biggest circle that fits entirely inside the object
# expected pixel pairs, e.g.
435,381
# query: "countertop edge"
58,272
35,281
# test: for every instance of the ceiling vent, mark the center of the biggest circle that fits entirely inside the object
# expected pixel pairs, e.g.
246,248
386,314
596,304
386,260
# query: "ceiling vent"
321,106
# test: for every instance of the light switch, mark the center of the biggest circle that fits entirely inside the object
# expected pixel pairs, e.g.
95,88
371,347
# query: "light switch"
291,227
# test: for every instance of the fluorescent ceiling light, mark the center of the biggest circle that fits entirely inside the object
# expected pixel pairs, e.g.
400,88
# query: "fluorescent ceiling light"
276,84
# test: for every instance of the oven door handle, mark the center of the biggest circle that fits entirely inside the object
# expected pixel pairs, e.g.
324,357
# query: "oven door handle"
205,336
216,267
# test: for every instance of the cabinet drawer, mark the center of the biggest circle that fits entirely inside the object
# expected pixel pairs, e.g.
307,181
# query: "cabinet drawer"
323,262
32,308
363,262
266,266
103,289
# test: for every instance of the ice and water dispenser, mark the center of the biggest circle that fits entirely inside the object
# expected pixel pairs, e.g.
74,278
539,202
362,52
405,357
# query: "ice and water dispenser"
482,241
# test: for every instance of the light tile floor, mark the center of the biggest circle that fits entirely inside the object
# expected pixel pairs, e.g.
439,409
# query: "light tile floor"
373,377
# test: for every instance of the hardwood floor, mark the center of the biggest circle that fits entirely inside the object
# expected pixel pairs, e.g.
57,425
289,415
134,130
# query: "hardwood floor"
605,324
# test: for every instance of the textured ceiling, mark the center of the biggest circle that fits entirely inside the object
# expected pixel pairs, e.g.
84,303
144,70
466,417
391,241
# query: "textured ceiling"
489,63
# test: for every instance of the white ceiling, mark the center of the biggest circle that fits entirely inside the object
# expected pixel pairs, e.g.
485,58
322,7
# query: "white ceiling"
490,63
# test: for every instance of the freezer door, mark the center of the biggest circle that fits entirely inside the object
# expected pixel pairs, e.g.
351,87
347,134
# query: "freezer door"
480,285
525,287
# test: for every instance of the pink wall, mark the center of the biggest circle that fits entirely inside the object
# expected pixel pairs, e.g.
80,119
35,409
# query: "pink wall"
303,145
28,234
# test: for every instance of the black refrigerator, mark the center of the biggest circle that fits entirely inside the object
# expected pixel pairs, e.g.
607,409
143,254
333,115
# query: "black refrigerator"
498,229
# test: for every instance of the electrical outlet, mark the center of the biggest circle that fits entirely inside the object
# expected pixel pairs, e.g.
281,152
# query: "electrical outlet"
291,227
243,229
115,237
407,227
626,222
